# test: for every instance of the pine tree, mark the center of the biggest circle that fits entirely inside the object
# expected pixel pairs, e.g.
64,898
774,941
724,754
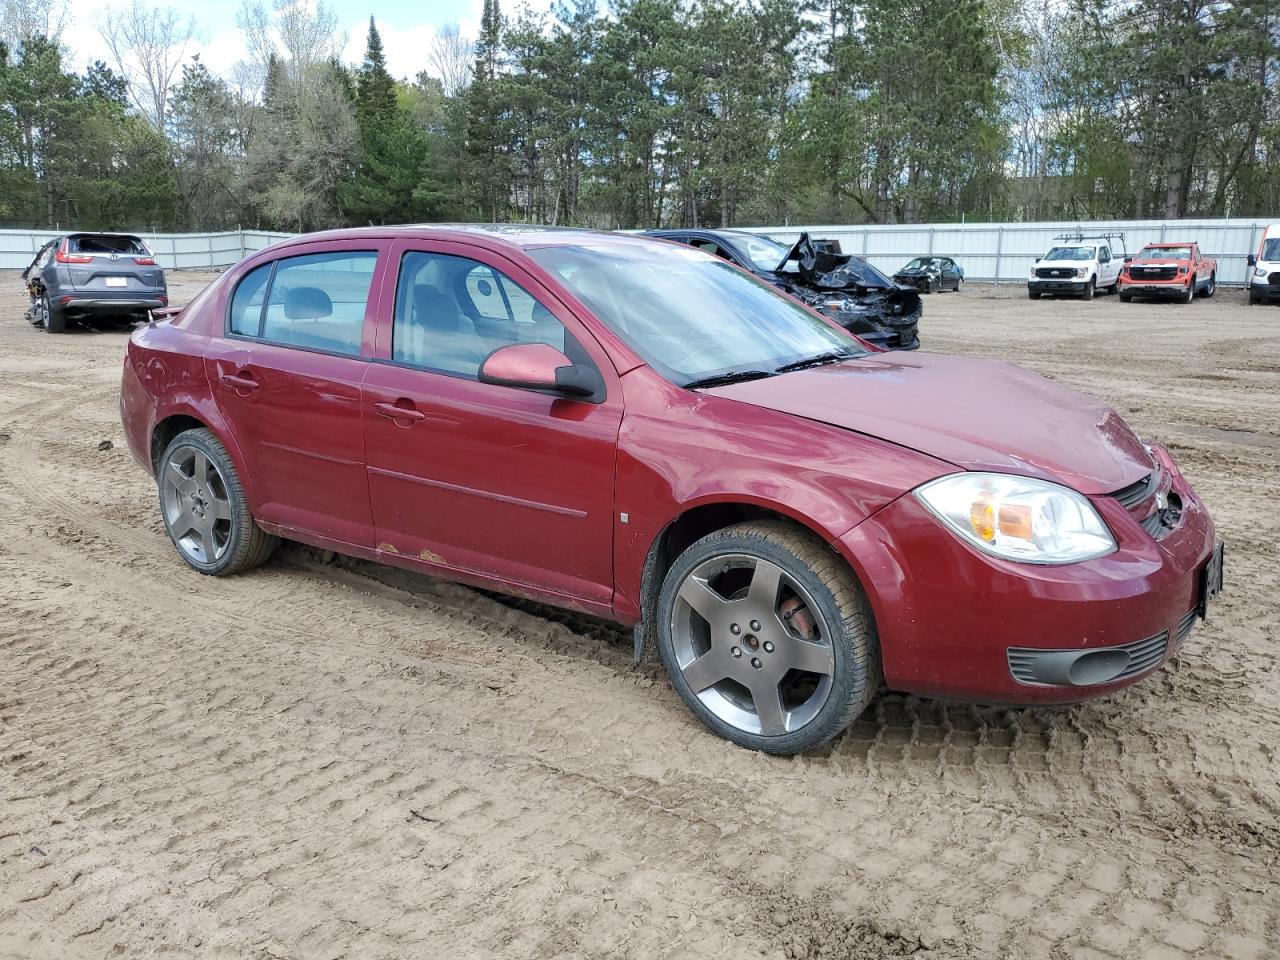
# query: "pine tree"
487,121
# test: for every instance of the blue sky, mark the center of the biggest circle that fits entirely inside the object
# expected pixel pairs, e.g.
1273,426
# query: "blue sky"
407,28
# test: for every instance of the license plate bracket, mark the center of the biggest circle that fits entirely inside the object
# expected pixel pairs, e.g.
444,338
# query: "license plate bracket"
1211,578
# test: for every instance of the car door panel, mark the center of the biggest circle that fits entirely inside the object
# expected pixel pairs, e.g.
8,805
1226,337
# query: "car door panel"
507,484
297,415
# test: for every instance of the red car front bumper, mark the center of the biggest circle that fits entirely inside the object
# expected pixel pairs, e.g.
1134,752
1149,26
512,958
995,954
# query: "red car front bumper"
948,615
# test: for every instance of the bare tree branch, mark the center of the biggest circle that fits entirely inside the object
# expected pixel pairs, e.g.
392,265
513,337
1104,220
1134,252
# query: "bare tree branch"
451,54
148,45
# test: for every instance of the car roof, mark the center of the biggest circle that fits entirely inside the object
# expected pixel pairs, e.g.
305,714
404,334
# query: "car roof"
492,235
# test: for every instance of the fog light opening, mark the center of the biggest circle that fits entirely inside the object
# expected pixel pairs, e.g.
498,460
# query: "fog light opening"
1098,667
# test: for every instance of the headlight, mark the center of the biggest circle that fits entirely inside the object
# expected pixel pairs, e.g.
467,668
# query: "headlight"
1082,272
1018,518
1259,271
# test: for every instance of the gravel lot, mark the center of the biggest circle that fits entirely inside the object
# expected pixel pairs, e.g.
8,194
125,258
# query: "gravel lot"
319,760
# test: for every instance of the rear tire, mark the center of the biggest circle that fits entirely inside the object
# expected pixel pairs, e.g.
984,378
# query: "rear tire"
768,637
205,510
55,318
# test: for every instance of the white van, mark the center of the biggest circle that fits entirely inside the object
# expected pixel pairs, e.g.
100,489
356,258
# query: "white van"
1264,267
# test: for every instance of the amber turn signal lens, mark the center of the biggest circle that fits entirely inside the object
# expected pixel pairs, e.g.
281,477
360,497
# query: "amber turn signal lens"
1015,521
982,517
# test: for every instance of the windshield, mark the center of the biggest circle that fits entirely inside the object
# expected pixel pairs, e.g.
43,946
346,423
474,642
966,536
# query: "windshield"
1165,253
766,254
692,316
1271,249
1070,253
920,263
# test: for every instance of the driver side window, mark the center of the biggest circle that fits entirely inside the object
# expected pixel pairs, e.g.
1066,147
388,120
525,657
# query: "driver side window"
452,312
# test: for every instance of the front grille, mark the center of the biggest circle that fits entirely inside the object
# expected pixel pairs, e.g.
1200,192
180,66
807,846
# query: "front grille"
1273,278
1134,494
1183,629
1153,273
1055,273
1154,524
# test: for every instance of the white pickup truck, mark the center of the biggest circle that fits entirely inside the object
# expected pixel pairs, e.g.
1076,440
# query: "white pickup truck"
1078,268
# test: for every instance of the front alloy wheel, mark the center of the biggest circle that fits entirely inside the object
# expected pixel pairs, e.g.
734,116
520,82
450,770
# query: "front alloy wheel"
767,637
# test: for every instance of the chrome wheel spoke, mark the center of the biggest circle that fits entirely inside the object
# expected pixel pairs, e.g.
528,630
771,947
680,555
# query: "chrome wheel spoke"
219,509
765,581
200,471
768,703
710,668
174,476
809,656
706,602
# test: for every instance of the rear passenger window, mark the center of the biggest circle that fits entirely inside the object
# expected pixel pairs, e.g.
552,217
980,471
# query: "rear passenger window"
316,301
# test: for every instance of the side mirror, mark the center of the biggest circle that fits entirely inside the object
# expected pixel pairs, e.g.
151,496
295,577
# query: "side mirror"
1253,260
540,366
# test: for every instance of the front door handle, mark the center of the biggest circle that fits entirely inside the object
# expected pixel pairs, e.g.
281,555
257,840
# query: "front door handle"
238,381
397,412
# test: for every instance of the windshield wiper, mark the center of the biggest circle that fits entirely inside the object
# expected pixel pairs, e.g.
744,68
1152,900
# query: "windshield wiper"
733,376
816,361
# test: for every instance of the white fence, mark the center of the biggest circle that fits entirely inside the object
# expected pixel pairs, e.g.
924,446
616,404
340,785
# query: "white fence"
1006,251
987,251
172,250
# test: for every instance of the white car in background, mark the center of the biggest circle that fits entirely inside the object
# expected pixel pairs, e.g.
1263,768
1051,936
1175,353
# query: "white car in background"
1264,267
1078,268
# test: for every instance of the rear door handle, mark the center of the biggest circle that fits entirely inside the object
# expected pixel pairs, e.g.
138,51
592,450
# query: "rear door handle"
396,412
238,382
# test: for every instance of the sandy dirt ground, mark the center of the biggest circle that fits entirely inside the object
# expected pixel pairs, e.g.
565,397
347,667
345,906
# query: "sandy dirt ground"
324,760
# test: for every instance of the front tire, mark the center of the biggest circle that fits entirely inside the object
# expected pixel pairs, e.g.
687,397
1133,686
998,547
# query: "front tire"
1125,297
1189,294
204,507
1033,294
1211,285
1089,290
767,637
1254,299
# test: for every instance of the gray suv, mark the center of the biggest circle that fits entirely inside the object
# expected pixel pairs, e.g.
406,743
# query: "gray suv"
103,276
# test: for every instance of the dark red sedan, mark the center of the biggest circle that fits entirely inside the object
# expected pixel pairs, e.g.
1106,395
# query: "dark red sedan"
644,432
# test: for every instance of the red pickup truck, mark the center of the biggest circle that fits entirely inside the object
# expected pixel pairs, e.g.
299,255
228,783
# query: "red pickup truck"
1176,270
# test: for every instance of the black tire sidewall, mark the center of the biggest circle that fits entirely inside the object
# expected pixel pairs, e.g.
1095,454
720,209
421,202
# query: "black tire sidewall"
55,320
204,441
831,719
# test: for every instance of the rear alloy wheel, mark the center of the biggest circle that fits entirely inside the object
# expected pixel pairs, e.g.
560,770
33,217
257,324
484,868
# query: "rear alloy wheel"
767,637
204,507
1089,290
55,318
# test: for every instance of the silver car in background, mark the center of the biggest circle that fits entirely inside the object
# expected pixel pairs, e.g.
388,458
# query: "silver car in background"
113,277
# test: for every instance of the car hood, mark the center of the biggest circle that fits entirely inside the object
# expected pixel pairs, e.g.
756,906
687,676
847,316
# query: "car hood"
976,414
915,271
1158,261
